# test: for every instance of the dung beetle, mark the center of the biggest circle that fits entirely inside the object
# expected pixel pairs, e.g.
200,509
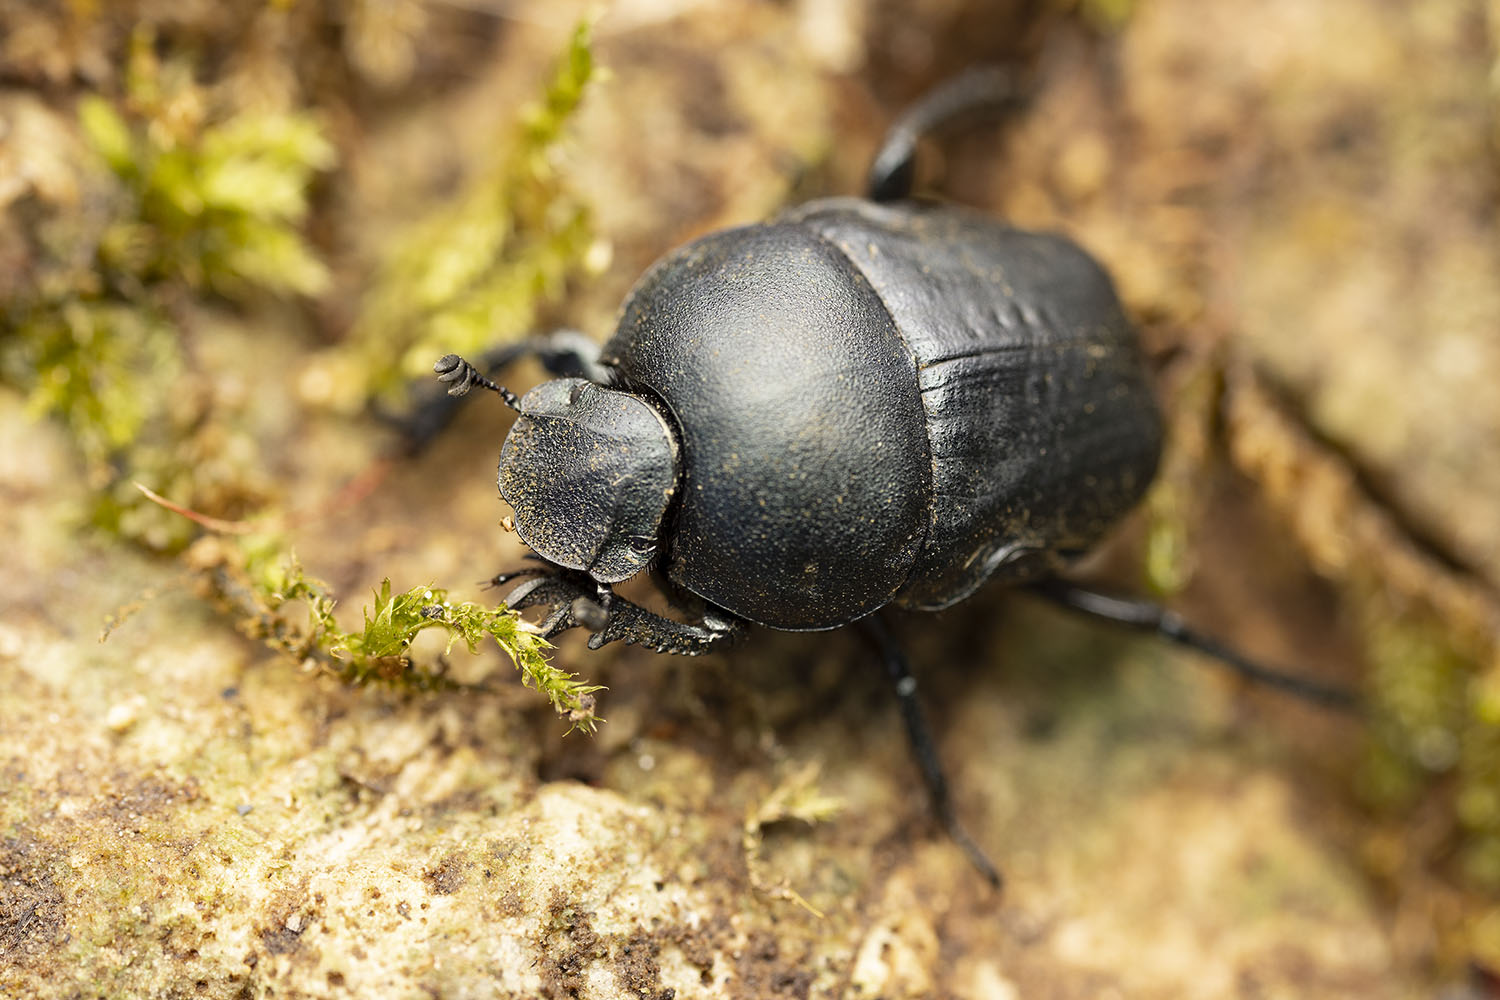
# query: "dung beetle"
860,403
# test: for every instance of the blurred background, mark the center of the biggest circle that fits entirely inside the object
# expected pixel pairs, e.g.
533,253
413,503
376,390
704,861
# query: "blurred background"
233,236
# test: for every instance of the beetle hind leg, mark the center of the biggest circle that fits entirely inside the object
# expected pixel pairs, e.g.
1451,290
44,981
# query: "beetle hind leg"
1148,617
923,747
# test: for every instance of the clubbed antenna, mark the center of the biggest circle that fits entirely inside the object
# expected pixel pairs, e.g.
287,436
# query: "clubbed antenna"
464,376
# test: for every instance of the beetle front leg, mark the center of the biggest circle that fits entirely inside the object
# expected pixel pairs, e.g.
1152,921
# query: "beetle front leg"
564,353
634,625
983,88
576,602
923,747
567,594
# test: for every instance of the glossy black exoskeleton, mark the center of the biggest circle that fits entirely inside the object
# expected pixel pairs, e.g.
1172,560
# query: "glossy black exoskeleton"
861,403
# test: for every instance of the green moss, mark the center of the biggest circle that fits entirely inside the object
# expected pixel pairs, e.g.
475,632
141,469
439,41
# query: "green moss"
252,578
474,272
1478,801
1435,714
1175,503
83,358
1109,16
200,200
206,197
1417,681
184,199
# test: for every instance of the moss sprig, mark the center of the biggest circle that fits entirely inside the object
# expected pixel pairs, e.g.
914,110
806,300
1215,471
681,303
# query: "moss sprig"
179,197
254,579
474,272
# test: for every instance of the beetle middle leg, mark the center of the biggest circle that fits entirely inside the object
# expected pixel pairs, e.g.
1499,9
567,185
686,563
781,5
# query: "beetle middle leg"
923,747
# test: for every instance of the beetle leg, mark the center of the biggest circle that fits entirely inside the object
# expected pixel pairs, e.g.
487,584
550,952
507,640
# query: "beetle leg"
1148,617
633,624
545,588
610,618
923,747
570,354
567,596
983,88
501,579
564,353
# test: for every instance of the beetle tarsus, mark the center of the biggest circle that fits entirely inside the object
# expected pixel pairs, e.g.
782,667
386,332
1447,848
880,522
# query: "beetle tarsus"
569,608
559,621
1148,617
923,747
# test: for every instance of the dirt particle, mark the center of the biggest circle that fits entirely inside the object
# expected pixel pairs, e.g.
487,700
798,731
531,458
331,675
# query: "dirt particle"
763,973
285,922
448,875
281,940
699,945
636,968
511,903
571,946
31,904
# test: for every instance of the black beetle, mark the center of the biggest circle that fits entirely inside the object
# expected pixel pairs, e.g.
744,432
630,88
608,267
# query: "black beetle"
860,403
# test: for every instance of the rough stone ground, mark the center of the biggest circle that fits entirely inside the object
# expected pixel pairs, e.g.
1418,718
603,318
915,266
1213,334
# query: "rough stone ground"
1307,186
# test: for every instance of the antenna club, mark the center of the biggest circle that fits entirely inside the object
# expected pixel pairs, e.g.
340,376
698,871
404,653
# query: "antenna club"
464,376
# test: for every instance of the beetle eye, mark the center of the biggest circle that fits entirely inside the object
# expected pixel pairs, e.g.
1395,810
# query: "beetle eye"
641,544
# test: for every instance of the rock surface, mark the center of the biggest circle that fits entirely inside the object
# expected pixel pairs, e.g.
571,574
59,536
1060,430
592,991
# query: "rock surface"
1308,183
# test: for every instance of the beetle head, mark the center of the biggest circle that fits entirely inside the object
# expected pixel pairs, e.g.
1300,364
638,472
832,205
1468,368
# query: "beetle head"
590,472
